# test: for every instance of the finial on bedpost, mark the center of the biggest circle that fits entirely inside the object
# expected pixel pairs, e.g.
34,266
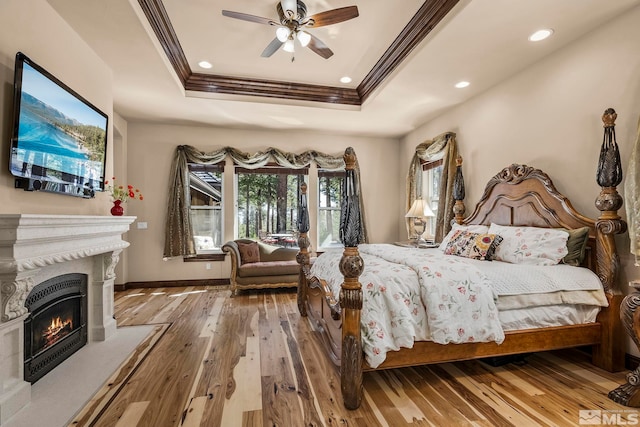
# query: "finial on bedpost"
303,255
351,266
609,354
458,192
609,175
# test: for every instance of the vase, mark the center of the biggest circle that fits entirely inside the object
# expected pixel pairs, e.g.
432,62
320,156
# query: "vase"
117,209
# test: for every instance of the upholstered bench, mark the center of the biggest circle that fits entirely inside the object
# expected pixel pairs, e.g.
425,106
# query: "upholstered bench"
256,265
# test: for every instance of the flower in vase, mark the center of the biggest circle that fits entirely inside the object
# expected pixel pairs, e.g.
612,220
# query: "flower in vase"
121,192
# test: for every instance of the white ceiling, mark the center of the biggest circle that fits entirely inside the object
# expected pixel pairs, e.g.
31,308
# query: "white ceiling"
482,41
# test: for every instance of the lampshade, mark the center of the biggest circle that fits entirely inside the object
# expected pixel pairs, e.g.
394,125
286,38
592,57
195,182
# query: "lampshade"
304,38
282,33
289,46
419,209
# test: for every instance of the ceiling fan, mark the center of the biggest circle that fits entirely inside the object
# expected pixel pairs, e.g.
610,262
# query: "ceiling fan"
293,23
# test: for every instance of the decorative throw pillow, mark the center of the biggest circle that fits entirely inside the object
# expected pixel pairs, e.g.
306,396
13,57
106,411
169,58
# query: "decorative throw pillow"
576,246
473,245
530,245
473,228
249,252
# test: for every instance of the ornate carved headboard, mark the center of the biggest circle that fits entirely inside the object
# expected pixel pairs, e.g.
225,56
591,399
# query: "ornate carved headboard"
522,195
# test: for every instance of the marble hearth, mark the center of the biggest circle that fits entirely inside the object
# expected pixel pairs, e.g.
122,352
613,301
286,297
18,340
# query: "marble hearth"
35,248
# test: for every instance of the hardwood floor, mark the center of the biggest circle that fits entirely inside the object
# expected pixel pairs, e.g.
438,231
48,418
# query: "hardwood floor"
253,361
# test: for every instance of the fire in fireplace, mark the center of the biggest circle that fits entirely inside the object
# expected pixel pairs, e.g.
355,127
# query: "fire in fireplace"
56,325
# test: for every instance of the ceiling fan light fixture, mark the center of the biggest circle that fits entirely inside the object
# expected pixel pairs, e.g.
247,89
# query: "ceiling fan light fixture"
289,46
304,38
282,33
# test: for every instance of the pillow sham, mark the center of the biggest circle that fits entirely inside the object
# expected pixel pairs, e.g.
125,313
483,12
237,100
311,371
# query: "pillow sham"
473,245
530,245
249,252
576,246
474,228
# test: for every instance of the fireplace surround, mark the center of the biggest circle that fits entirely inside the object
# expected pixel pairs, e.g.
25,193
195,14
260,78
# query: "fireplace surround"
36,248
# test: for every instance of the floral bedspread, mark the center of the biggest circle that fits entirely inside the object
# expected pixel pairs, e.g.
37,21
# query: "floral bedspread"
414,295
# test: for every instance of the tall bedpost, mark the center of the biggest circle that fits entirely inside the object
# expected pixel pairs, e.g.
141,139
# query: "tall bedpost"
303,255
351,266
609,224
458,192
609,354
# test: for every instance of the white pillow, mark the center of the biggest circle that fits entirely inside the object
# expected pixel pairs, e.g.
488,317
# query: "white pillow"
530,245
473,228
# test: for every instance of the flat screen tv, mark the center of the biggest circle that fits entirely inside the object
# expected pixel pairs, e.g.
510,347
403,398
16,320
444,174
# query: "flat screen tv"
59,138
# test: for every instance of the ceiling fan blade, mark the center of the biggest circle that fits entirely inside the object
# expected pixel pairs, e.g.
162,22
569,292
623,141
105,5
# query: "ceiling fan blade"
332,16
319,47
250,18
271,48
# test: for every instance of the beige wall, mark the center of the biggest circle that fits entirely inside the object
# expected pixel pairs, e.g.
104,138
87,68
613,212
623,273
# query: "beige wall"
34,28
549,117
151,149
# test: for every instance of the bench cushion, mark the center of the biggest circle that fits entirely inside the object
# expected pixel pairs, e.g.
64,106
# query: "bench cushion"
269,268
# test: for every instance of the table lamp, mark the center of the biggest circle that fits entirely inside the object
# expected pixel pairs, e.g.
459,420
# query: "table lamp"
419,211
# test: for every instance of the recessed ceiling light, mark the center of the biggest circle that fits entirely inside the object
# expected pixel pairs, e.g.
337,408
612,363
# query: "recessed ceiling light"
345,79
205,64
462,84
540,35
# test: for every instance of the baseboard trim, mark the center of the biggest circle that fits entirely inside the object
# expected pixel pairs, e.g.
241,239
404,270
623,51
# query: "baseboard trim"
172,284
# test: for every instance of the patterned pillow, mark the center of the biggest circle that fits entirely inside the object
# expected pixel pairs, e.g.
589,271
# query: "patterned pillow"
530,245
249,252
473,245
473,228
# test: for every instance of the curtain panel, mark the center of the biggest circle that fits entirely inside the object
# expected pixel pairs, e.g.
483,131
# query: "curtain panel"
632,199
443,147
178,229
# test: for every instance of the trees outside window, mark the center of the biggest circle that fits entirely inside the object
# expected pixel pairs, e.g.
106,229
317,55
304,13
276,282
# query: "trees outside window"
268,200
329,191
206,206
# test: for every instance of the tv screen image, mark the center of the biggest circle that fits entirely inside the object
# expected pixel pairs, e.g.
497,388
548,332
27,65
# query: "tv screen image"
59,138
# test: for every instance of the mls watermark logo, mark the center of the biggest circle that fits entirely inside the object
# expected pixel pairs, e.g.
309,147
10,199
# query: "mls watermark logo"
599,417
590,417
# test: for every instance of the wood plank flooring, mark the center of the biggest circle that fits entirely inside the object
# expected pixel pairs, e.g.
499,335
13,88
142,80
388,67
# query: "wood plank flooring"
253,361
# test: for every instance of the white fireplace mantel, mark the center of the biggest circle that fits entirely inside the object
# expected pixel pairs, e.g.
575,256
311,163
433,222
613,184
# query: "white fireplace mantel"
35,247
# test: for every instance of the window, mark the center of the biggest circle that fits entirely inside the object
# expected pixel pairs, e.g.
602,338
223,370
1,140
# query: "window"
205,182
267,203
431,178
329,191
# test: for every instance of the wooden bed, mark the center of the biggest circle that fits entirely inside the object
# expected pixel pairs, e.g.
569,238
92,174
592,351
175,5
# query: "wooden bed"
517,195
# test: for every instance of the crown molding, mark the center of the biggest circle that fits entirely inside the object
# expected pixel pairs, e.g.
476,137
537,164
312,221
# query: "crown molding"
422,23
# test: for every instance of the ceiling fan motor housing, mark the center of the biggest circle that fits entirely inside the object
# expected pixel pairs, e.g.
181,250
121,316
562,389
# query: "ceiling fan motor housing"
301,13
